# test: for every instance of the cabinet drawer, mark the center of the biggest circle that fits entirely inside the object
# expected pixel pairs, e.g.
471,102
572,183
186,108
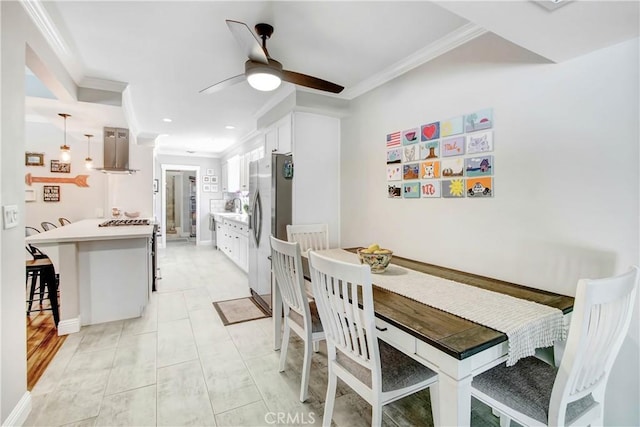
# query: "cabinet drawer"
397,337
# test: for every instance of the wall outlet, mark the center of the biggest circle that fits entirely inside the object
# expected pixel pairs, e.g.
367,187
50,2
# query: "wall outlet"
10,216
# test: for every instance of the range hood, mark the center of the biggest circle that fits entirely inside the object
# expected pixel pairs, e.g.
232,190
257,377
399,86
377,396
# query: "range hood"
116,151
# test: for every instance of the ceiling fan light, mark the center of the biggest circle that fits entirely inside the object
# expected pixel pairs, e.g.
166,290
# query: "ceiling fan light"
264,81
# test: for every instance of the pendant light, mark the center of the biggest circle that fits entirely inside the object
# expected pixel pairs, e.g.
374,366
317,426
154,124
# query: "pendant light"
88,162
65,150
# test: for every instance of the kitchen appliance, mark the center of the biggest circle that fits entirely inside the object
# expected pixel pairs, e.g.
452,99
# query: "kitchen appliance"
122,222
116,151
270,198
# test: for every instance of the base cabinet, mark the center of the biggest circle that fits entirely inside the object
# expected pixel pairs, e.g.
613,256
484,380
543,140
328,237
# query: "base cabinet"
233,241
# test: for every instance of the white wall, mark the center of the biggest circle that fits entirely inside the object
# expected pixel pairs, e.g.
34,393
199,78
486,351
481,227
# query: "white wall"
566,175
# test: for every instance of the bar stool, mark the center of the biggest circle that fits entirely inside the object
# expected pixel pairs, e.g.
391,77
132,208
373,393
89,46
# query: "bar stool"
63,221
41,267
46,226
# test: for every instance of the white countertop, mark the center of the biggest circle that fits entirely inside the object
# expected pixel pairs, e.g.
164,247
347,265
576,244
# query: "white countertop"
87,229
242,218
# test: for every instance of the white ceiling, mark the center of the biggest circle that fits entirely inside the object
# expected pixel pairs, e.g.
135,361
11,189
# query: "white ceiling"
168,51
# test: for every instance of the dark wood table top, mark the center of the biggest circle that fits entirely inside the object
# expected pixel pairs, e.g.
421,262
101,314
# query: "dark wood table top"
458,337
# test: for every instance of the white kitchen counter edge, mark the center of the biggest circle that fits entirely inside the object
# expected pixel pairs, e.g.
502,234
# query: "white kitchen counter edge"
88,230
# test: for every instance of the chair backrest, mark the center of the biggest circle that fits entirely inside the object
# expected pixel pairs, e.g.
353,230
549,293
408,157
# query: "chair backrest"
63,221
286,265
310,236
46,226
600,321
344,296
30,231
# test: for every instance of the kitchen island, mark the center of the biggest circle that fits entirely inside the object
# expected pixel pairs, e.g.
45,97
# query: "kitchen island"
106,273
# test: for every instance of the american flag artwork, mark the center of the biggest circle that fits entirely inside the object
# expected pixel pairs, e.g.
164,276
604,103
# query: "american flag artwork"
393,139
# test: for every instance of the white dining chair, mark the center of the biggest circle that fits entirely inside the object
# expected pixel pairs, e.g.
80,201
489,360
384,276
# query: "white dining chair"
535,393
310,236
374,369
300,314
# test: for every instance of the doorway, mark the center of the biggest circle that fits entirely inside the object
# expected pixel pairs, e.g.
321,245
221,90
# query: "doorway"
179,204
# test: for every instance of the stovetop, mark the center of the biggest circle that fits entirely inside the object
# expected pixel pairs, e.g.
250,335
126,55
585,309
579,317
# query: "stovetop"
121,222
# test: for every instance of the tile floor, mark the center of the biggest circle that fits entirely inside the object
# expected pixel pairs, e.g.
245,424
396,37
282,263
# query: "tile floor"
177,365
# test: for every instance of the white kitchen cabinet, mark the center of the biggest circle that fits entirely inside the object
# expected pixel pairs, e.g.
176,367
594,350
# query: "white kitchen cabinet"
224,178
278,137
244,171
234,242
233,174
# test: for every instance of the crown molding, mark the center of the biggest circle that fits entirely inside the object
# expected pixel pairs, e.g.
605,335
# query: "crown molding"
42,20
441,46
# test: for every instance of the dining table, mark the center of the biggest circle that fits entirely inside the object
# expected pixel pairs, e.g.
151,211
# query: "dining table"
456,348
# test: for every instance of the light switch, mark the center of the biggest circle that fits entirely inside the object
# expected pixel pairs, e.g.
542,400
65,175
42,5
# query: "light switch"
10,216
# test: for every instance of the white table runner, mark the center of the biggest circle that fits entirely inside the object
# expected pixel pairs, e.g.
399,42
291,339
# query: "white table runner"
527,324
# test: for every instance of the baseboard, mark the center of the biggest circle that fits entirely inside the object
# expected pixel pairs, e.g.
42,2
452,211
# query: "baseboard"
205,242
69,326
20,412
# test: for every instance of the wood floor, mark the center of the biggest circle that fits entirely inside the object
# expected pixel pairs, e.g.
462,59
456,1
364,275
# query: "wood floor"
43,343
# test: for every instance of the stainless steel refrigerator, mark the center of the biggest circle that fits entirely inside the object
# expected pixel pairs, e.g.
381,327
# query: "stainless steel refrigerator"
270,180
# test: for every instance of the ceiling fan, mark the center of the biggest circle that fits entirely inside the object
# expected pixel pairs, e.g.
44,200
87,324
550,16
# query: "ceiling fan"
261,71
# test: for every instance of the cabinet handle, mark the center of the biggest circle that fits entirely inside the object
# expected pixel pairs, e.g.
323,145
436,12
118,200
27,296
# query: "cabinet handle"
381,329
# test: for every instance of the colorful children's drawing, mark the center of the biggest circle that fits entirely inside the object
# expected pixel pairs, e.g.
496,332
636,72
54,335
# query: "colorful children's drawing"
430,189
453,188
411,190
451,126
478,166
410,171
430,131
394,191
480,142
429,150
410,153
479,187
482,119
394,156
393,139
394,173
453,146
452,167
410,136
430,170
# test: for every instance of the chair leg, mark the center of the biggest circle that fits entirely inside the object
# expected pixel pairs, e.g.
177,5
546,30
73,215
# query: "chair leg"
330,400
32,291
316,346
284,345
306,369
376,414
434,393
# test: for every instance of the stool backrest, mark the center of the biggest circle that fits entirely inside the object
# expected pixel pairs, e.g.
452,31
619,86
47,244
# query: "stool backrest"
287,269
46,226
30,231
63,221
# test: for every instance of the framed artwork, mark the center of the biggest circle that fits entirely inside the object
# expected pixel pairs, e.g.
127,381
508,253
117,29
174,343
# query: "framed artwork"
206,188
34,159
394,173
411,190
453,188
60,167
155,185
480,142
479,166
206,179
430,170
393,140
209,171
451,126
410,171
410,136
479,120
453,146
51,193
479,187
430,189
214,188
430,131
394,191
394,156
410,153
429,150
214,179
452,167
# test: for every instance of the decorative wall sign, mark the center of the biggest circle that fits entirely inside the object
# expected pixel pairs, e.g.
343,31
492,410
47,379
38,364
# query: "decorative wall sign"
453,146
393,140
410,136
430,132
451,126
34,159
478,166
429,150
394,191
452,167
394,156
410,153
80,180
410,171
60,167
479,187
411,190
51,193
453,188
430,169
479,120
394,173
430,189
480,142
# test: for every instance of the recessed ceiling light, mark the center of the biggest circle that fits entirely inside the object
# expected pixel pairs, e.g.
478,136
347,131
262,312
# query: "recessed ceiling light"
229,127
163,134
166,120
190,151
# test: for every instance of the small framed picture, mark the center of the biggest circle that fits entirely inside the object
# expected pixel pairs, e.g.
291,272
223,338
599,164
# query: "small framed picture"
206,179
206,188
209,172
60,167
34,159
214,179
155,185
214,188
51,193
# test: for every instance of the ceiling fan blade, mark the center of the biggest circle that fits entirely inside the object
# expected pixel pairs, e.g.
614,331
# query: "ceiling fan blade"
248,41
224,84
310,81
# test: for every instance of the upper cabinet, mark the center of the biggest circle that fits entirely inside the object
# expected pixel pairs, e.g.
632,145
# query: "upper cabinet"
225,177
233,174
278,137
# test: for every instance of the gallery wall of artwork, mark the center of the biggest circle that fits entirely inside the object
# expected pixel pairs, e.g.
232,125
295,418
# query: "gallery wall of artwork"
446,158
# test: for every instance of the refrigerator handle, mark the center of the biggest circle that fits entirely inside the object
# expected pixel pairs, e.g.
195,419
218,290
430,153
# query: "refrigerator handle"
256,219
